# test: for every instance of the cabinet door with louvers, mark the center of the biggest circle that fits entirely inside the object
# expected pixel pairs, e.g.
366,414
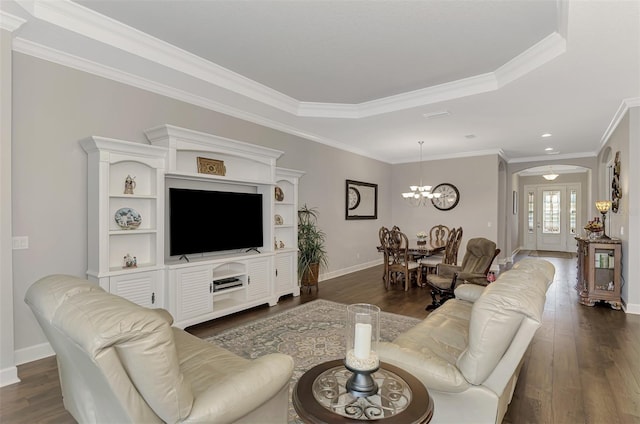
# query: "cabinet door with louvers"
140,288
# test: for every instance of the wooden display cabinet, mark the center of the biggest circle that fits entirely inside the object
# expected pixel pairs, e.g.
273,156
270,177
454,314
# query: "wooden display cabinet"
599,271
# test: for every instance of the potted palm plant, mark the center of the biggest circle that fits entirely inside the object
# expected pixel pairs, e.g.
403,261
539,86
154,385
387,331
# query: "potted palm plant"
311,251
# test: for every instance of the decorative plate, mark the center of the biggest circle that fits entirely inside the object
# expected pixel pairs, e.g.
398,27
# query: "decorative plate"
279,220
279,194
128,218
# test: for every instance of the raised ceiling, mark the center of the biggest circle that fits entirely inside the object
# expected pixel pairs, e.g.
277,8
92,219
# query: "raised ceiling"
367,75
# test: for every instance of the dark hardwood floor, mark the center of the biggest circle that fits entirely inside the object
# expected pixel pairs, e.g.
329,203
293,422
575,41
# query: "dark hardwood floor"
583,365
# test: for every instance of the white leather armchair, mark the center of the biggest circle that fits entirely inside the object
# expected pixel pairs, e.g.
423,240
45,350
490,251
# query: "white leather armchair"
121,363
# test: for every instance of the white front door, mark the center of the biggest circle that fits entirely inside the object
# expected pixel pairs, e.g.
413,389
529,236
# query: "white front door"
551,223
551,217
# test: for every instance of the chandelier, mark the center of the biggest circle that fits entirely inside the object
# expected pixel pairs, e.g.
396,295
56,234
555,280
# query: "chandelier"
419,193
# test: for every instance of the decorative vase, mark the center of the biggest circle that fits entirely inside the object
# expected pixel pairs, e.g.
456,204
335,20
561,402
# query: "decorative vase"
310,275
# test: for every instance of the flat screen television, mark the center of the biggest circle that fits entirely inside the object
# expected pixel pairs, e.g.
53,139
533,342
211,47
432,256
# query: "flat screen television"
203,221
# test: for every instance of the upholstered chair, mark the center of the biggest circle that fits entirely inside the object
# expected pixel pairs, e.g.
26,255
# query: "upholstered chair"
474,268
119,362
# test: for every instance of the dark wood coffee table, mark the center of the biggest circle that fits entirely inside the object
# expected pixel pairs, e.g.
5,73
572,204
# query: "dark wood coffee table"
320,396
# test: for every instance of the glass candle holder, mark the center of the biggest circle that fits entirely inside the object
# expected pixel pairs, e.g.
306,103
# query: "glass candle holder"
363,333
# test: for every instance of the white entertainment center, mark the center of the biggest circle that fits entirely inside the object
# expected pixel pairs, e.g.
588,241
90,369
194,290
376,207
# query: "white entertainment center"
130,258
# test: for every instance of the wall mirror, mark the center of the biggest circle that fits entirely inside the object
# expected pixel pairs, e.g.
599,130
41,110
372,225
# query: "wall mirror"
361,201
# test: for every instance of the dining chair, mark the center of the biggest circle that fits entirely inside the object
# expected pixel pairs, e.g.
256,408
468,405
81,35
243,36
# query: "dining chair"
449,256
383,234
475,266
399,261
439,233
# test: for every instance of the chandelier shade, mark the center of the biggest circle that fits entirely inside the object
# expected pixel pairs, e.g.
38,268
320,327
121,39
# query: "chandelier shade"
550,176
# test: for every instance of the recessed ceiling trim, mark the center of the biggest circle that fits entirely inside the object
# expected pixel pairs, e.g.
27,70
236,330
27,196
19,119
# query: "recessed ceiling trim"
617,117
546,158
539,54
30,48
10,22
448,91
475,153
79,19
84,21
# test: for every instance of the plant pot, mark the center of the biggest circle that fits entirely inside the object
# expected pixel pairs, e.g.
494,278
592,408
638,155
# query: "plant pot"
310,275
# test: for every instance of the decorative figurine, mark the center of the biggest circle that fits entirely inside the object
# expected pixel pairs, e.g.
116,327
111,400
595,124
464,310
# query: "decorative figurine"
129,262
281,245
129,184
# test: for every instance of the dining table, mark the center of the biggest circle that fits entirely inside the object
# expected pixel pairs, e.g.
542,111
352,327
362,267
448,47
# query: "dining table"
419,248
422,248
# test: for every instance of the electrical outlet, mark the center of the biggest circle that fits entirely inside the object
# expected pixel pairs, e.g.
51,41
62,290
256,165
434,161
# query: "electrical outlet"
621,231
20,243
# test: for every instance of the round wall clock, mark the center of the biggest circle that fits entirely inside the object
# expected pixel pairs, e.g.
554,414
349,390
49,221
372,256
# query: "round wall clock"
354,198
449,196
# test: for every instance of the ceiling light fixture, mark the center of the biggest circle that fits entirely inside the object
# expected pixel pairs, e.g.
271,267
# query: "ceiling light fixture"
438,114
551,175
545,135
419,193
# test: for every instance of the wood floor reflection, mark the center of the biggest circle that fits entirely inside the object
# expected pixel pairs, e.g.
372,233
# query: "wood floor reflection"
583,365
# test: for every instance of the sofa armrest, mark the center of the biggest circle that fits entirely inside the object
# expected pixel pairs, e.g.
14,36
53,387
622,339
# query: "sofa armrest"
469,292
231,398
434,372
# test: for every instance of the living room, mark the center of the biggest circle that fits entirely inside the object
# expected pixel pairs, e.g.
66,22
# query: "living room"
51,101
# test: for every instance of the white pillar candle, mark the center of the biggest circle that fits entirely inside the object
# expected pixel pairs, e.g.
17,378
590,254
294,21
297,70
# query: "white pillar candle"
362,341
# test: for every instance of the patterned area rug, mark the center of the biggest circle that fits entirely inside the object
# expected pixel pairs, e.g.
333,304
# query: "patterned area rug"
311,333
551,254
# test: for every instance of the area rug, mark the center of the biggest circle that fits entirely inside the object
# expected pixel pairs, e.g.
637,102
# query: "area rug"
551,254
311,333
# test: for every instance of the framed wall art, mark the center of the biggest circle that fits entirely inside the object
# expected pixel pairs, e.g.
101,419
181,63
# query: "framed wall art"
361,200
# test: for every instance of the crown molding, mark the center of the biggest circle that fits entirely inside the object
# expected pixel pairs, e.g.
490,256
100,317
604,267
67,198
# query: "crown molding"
81,20
539,54
554,157
452,90
617,117
84,21
10,22
30,48
460,155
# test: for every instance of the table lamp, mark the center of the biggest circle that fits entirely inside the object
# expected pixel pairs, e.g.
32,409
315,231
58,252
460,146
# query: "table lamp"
603,207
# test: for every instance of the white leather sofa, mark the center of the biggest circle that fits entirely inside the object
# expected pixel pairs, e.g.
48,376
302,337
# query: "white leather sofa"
121,363
468,352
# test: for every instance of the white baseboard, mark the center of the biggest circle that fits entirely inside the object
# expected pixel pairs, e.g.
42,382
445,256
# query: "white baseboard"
9,376
33,353
22,356
631,308
349,270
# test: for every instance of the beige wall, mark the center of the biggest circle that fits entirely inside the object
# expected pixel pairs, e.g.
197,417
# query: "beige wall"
8,371
54,107
477,180
626,223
